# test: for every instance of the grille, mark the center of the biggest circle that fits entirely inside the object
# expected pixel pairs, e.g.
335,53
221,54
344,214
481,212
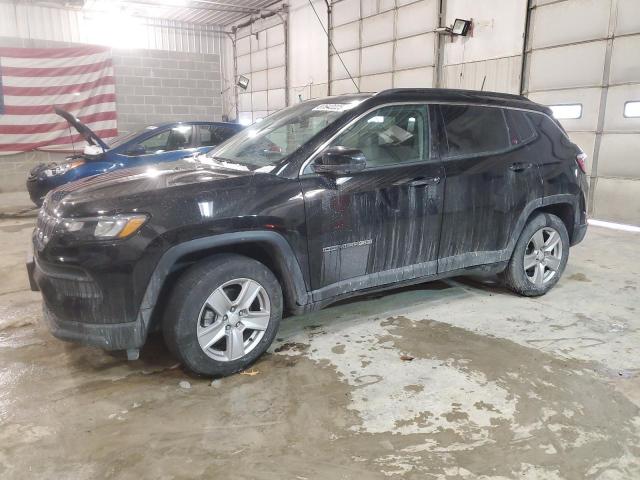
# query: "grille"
45,226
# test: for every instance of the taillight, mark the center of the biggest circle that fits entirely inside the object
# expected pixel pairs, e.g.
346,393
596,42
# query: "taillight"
581,160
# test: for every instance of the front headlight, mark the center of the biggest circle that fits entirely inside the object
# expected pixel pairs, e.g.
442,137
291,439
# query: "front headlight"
104,227
62,168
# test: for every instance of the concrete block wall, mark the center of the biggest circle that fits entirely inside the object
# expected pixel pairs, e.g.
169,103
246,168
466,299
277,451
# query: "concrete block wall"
151,86
157,86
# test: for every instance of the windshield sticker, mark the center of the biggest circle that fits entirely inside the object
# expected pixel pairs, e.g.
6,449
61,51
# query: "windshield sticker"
334,107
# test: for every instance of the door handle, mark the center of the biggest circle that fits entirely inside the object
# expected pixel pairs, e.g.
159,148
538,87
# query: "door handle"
423,181
520,166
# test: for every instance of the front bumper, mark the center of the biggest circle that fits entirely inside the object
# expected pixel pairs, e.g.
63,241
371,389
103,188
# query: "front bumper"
64,292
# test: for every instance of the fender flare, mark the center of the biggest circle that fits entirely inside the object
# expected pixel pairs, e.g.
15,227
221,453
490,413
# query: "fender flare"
286,259
564,198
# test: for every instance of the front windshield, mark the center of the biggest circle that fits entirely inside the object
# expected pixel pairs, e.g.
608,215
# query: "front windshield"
270,140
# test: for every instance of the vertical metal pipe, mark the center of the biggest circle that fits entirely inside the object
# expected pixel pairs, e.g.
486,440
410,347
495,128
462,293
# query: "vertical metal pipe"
329,30
525,43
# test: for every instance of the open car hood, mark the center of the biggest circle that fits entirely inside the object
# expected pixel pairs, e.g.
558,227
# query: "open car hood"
89,135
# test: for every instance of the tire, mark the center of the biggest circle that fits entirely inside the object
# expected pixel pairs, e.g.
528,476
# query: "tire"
546,264
200,311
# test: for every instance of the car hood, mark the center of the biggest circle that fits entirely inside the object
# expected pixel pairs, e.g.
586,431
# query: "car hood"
125,188
89,135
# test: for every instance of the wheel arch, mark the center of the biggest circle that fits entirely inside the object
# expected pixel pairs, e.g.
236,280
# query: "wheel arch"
267,247
564,206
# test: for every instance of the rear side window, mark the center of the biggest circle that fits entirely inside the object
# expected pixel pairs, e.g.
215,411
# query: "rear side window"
474,130
520,128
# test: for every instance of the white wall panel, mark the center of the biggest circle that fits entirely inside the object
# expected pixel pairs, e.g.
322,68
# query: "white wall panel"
589,20
275,77
385,38
276,99
244,64
243,46
258,81
417,77
497,30
417,51
417,18
619,156
615,120
377,29
565,67
275,36
259,60
498,75
276,55
351,60
375,83
346,37
589,98
628,17
346,11
625,60
617,199
338,87
377,59
259,100
244,99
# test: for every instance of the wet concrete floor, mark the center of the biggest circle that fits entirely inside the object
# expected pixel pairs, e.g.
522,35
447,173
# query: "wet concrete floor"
450,380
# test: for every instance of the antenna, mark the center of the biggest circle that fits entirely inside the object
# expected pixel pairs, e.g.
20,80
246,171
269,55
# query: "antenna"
483,80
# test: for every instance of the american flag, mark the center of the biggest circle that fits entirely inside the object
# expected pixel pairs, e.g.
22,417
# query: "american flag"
35,80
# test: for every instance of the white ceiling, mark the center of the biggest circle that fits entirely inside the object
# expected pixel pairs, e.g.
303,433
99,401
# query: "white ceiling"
203,12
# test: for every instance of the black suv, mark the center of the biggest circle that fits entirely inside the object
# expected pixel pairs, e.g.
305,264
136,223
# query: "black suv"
321,201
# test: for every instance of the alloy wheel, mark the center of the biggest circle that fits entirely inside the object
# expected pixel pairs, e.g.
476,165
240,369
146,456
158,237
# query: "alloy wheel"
233,319
543,256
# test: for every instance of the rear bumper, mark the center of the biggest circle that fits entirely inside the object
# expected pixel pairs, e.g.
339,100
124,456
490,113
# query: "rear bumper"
579,232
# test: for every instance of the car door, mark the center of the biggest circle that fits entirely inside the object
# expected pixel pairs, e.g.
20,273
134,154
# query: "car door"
491,175
382,224
167,145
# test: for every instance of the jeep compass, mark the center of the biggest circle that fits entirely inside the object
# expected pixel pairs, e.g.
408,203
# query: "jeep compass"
321,201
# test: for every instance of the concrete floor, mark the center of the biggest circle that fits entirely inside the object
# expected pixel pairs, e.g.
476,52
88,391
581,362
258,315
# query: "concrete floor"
449,380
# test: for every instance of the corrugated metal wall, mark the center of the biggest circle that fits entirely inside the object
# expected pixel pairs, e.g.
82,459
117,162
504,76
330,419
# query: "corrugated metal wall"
586,52
66,25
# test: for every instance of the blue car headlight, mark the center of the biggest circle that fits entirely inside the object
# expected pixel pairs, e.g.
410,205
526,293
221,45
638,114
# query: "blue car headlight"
62,168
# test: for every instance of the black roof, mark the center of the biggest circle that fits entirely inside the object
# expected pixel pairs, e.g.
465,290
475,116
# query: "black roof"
466,96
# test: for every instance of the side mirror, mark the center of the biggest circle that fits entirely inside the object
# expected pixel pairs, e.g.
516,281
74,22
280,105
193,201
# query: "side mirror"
340,161
136,150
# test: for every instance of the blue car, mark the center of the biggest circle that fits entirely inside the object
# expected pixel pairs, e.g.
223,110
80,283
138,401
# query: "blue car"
162,142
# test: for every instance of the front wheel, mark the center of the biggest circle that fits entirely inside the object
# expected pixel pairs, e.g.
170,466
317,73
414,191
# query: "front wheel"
539,257
223,314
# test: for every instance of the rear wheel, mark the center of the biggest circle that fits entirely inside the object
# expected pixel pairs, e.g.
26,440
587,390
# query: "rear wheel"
223,314
539,257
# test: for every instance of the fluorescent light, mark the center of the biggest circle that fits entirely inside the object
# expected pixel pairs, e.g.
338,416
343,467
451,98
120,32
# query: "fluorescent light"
567,112
632,109
614,226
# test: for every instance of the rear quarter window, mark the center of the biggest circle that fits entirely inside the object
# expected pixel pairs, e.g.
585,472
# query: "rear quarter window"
474,130
521,129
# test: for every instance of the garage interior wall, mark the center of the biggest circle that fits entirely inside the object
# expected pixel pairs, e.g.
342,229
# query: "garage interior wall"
586,52
577,52
168,71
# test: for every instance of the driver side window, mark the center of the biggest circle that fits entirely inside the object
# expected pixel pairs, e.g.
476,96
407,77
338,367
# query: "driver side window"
391,135
175,138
